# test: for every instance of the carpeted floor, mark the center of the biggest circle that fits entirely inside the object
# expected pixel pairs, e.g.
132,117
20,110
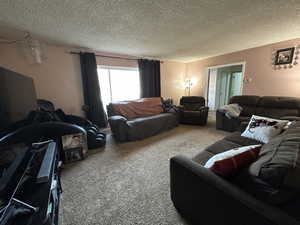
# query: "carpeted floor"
128,183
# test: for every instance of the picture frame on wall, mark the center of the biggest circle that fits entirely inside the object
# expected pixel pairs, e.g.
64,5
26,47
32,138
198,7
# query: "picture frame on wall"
284,56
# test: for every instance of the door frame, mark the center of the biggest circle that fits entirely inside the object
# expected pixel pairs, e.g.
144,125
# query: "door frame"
208,68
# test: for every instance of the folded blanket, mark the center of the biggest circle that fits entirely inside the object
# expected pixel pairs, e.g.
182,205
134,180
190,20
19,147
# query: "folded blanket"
138,108
231,110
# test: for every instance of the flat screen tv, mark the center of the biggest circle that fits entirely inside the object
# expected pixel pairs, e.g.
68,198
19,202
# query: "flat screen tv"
17,97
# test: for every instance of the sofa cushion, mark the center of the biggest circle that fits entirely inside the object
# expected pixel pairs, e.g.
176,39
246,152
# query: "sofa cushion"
279,102
277,107
230,162
261,189
279,161
202,157
229,142
221,146
239,140
140,128
247,102
275,113
192,100
192,107
191,113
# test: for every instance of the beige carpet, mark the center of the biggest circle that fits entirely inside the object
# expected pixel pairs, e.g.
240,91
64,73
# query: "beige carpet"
128,184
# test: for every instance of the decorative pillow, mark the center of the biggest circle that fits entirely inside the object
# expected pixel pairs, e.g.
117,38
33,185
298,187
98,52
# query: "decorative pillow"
263,128
230,162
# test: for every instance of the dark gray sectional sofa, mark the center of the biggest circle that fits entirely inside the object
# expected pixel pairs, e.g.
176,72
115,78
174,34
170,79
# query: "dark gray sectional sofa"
140,128
265,193
277,107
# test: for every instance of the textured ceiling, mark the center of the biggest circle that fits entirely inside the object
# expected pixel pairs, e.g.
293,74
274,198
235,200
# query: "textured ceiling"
182,30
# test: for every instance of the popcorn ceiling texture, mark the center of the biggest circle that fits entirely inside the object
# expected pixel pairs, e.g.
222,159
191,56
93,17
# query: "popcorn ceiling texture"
169,29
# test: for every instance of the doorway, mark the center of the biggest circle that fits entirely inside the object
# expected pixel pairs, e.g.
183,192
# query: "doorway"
224,82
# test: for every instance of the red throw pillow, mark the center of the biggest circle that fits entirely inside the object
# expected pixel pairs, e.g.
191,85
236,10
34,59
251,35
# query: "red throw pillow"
230,162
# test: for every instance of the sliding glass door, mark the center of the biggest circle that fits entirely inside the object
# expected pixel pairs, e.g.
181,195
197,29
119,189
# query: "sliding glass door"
118,84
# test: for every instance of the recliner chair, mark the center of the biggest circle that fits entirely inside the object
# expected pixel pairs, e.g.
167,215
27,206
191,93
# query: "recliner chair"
193,110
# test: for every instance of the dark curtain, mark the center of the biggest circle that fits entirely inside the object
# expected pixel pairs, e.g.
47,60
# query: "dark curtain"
91,90
149,78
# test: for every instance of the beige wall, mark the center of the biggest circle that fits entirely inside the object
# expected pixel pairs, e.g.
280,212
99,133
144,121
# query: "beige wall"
58,78
265,80
172,77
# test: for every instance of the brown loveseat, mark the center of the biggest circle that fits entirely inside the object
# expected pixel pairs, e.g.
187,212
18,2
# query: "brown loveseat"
269,106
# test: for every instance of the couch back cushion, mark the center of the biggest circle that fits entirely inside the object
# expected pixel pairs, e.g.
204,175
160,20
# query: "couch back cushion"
138,108
279,160
192,103
247,102
276,107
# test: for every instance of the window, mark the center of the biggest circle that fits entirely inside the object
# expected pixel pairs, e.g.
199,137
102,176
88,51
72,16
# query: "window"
118,84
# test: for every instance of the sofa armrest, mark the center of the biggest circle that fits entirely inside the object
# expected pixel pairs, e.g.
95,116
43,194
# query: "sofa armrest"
172,109
180,107
119,126
203,108
204,197
225,123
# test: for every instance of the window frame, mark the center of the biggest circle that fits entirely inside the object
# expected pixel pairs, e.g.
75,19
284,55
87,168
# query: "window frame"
109,68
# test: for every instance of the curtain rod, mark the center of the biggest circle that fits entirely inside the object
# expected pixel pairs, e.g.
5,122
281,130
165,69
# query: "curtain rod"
106,56
112,57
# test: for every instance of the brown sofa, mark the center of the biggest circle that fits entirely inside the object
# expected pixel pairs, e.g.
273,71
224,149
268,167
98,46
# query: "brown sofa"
269,106
265,198
125,128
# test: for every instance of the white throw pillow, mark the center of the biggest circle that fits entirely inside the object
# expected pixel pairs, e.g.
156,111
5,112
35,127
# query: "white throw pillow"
263,128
